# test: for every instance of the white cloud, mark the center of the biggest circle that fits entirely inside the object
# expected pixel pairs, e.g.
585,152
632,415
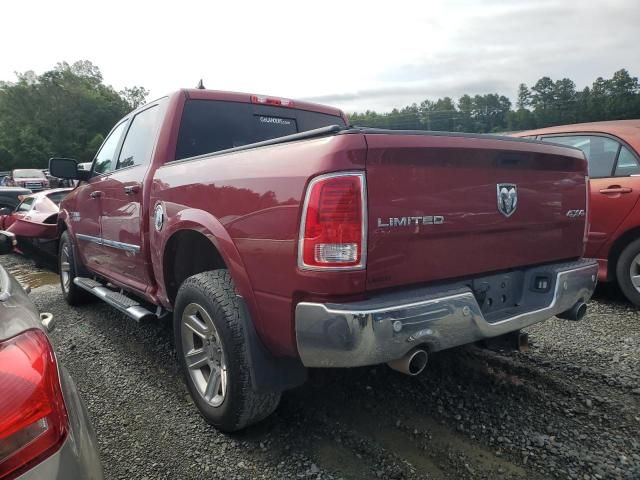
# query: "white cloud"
354,55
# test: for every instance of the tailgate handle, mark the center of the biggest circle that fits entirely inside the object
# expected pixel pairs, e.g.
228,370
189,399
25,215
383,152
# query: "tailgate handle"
131,189
615,189
95,194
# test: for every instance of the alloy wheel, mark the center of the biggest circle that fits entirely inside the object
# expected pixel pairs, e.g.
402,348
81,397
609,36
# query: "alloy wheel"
204,355
65,266
634,272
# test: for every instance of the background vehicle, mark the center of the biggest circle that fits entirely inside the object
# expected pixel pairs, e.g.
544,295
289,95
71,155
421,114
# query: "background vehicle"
282,239
44,430
613,152
31,178
10,197
34,222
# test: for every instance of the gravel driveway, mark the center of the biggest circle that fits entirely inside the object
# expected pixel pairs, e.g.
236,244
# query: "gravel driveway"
567,408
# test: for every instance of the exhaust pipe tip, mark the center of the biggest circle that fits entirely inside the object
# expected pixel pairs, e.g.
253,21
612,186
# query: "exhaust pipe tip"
413,363
575,313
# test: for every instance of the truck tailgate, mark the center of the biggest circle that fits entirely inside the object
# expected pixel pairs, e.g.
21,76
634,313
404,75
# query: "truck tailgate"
435,205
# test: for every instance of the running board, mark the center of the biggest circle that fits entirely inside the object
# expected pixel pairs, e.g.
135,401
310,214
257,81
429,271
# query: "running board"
130,307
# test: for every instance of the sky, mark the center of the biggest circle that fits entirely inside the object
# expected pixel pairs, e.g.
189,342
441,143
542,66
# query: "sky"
353,55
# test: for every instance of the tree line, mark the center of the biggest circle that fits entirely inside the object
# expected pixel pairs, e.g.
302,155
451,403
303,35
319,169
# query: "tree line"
544,104
66,111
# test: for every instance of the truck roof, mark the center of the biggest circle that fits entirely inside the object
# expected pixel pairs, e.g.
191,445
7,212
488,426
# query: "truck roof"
205,94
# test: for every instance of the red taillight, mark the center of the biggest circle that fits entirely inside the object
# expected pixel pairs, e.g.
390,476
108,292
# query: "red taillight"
334,223
280,102
33,418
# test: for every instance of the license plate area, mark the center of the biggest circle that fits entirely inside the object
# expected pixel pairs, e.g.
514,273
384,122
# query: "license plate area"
500,292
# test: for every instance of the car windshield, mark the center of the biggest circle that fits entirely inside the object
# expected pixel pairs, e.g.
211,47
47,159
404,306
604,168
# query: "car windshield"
28,173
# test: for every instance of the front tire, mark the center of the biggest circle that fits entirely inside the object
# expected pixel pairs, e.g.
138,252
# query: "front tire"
73,294
210,343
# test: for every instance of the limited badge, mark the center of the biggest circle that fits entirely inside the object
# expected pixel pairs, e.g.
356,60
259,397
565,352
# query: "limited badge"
158,217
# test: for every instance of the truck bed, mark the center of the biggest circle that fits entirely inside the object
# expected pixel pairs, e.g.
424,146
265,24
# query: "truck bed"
256,194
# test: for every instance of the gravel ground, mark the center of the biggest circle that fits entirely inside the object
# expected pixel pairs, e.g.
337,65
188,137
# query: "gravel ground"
567,408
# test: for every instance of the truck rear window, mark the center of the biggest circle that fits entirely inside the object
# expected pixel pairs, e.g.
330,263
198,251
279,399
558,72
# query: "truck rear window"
210,125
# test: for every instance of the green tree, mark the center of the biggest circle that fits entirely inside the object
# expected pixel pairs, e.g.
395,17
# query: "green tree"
134,96
65,111
524,96
622,93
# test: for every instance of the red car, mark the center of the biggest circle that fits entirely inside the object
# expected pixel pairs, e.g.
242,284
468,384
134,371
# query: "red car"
613,153
31,178
34,221
283,239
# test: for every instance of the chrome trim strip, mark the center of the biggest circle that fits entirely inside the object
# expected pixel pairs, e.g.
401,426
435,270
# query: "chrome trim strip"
109,243
354,335
89,238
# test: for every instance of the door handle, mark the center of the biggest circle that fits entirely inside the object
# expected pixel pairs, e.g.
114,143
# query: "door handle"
131,189
616,189
95,194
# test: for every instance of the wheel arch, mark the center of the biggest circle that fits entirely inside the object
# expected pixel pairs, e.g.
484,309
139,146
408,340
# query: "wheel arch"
191,237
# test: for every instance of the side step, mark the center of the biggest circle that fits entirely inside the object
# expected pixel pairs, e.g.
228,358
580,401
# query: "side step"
130,307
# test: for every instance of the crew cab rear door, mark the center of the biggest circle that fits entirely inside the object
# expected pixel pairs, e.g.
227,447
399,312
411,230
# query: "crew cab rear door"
123,219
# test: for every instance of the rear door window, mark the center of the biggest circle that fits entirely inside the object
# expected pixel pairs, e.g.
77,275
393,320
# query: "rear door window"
627,163
601,152
57,197
210,125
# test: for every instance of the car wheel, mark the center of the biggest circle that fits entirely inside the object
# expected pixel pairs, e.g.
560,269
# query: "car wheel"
628,272
209,338
73,294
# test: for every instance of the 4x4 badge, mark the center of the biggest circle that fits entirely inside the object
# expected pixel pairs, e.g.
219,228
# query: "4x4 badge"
507,198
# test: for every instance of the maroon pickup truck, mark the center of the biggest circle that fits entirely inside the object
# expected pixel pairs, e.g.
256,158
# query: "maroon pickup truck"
280,238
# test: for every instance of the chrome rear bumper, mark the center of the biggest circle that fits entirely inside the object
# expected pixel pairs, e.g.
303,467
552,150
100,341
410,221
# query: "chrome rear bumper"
385,328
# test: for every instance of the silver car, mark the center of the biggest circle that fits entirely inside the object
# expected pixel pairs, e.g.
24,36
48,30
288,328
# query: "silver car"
45,433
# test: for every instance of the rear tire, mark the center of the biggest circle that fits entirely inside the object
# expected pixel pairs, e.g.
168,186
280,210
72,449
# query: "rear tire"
210,343
628,272
73,294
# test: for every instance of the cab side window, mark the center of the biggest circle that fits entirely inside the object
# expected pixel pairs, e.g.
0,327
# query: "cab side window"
105,160
601,152
138,144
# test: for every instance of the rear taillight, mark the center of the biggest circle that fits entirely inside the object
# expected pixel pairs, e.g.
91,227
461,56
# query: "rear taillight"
334,223
281,102
33,418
